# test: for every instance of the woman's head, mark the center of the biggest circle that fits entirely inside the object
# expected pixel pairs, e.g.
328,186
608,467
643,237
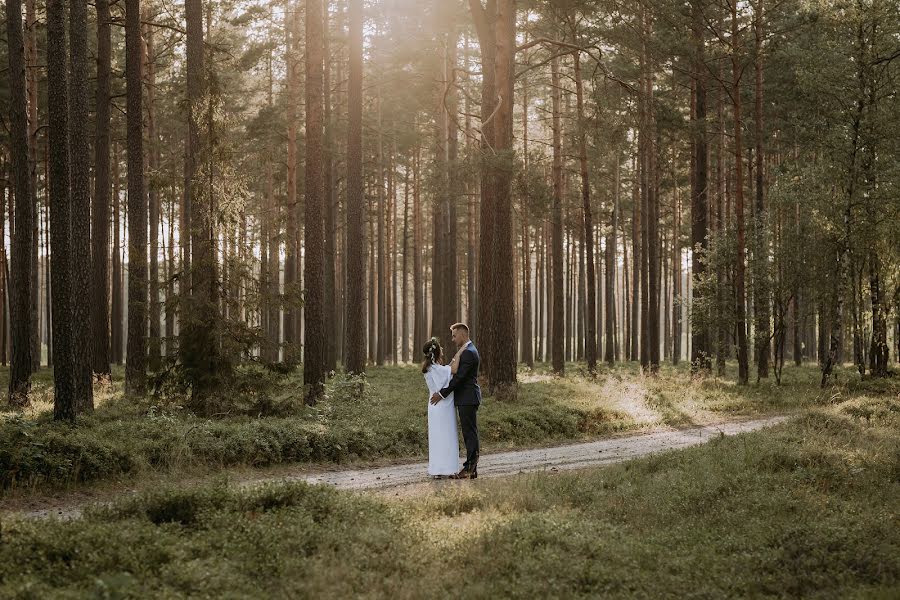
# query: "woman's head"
433,352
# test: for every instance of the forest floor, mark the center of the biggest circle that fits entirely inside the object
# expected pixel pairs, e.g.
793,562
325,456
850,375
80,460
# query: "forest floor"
809,507
130,446
406,478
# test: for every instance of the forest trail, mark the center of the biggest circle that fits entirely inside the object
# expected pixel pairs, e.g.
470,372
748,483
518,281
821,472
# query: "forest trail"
410,478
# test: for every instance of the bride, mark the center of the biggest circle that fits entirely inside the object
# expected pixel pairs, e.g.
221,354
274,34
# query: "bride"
443,443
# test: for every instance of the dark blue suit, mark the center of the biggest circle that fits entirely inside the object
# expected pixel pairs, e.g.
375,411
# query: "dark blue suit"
467,398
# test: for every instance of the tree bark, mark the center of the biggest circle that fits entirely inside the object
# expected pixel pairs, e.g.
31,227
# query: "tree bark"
22,224
101,200
117,315
761,289
31,84
485,19
152,159
611,349
79,149
557,341
653,243
676,279
136,363
330,199
314,226
590,329
700,350
292,235
527,335
355,334
740,290
64,400
404,293
418,290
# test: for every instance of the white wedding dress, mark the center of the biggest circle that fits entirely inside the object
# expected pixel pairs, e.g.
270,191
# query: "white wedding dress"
443,443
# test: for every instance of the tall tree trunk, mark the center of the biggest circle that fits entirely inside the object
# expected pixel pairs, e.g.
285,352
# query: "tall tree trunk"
590,329
653,270
64,400
636,257
486,336
136,364
292,235
527,335
169,277
878,353
31,85
404,309
314,226
700,350
392,258
330,199
79,150
451,270
676,278
503,373
379,273
152,158
101,200
610,283
418,244
761,290
557,351
22,225
4,268
471,220
740,291
118,312
721,228
355,334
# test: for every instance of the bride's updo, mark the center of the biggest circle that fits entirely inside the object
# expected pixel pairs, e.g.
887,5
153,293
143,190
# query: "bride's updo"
433,352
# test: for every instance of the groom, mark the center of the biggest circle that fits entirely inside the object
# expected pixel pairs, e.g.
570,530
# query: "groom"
466,395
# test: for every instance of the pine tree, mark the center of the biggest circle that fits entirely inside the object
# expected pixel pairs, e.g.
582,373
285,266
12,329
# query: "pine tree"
136,361
20,290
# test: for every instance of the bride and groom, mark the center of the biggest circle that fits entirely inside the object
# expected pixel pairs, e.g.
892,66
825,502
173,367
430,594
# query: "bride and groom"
454,390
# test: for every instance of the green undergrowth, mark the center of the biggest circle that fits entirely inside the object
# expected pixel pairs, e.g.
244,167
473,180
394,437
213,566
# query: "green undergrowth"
382,417
807,509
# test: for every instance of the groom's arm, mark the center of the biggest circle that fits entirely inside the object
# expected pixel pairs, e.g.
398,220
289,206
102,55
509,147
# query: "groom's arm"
466,364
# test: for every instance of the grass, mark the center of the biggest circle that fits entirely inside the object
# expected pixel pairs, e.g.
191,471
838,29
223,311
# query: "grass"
808,509
130,439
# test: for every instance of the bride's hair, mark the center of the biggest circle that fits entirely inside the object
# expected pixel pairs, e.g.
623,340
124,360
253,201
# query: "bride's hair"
432,351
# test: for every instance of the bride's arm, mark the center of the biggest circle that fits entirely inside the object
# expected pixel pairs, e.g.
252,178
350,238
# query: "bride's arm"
454,364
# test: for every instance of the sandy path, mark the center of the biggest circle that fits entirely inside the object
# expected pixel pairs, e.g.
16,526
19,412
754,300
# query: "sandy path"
572,456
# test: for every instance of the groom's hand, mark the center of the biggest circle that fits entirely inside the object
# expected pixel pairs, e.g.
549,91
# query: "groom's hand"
435,398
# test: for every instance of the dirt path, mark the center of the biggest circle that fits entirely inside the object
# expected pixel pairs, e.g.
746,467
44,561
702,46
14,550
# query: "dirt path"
408,477
573,456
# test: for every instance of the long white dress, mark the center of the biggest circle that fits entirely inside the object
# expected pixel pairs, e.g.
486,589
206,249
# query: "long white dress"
443,443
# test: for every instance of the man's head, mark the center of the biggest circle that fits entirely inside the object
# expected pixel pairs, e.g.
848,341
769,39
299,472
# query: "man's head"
460,333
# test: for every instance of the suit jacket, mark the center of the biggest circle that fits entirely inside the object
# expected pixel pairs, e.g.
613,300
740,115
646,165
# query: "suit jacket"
464,385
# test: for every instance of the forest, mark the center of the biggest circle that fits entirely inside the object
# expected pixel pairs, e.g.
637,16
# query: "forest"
228,227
